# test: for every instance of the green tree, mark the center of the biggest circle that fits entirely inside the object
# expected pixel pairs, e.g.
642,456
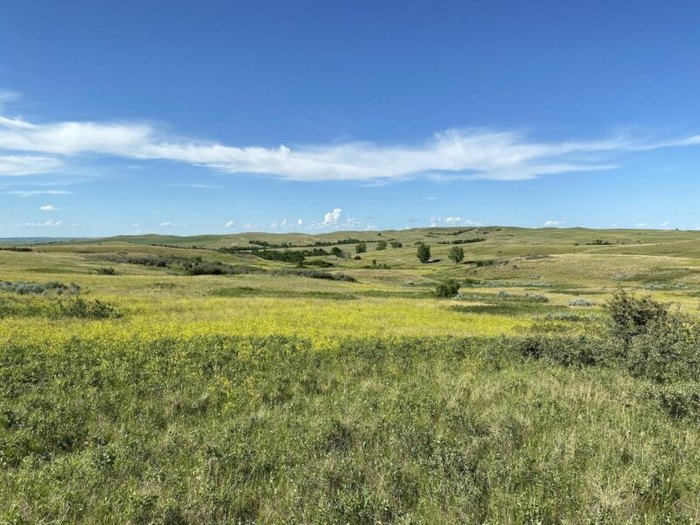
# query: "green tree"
396,244
337,252
423,253
381,245
456,254
361,248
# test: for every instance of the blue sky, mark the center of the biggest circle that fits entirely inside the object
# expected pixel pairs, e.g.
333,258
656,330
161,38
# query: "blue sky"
212,116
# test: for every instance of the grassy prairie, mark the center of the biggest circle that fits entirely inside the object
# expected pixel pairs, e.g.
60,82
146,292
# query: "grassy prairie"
174,382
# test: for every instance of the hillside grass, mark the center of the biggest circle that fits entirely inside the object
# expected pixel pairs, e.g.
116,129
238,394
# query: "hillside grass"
143,394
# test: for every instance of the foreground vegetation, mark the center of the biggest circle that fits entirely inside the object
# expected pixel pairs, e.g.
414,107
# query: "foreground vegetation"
475,391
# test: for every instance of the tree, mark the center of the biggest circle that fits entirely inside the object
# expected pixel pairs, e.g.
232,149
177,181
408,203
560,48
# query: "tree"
423,253
337,252
361,247
381,245
396,244
456,254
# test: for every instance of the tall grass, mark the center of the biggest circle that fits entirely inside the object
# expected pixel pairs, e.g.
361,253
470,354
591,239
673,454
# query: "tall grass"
272,430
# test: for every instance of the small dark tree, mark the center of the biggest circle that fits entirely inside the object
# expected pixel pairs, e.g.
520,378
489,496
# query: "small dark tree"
361,248
396,244
456,254
337,252
423,253
381,245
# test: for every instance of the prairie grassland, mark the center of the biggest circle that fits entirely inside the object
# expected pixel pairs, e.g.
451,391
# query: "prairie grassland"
266,393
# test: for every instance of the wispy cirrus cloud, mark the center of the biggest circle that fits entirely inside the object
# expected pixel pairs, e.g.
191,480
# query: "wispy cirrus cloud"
7,96
49,223
20,165
29,147
31,193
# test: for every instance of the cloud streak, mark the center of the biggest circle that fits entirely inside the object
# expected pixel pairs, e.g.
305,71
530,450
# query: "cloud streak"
29,148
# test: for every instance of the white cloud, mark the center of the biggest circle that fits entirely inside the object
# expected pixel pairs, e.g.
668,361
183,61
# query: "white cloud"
641,225
332,217
49,207
7,96
553,223
300,222
30,193
453,221
197,186
230,224
40,224
455,153
665,224
168,224
20,165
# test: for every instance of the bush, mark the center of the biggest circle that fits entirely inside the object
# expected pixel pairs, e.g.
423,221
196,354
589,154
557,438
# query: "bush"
28,288
679,401
361,248
82,309
447,289
630,316
381,245
396,244
568,350
337,252
315,274
536,298
581,302
667,350
423,253
106,271
456,254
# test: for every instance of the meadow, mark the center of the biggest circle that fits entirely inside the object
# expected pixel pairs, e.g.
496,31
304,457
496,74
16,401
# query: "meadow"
288,378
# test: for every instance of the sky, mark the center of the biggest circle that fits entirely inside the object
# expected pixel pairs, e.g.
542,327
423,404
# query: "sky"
130,117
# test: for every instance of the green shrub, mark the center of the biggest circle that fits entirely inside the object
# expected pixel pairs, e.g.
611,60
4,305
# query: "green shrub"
106,271
83,309
679,401
361,248
536,298
667,350
447,289
568,350
396,244
315,274
630,315
381,245
29,288
456,254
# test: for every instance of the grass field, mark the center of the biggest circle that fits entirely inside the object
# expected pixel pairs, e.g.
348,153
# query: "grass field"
206,379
